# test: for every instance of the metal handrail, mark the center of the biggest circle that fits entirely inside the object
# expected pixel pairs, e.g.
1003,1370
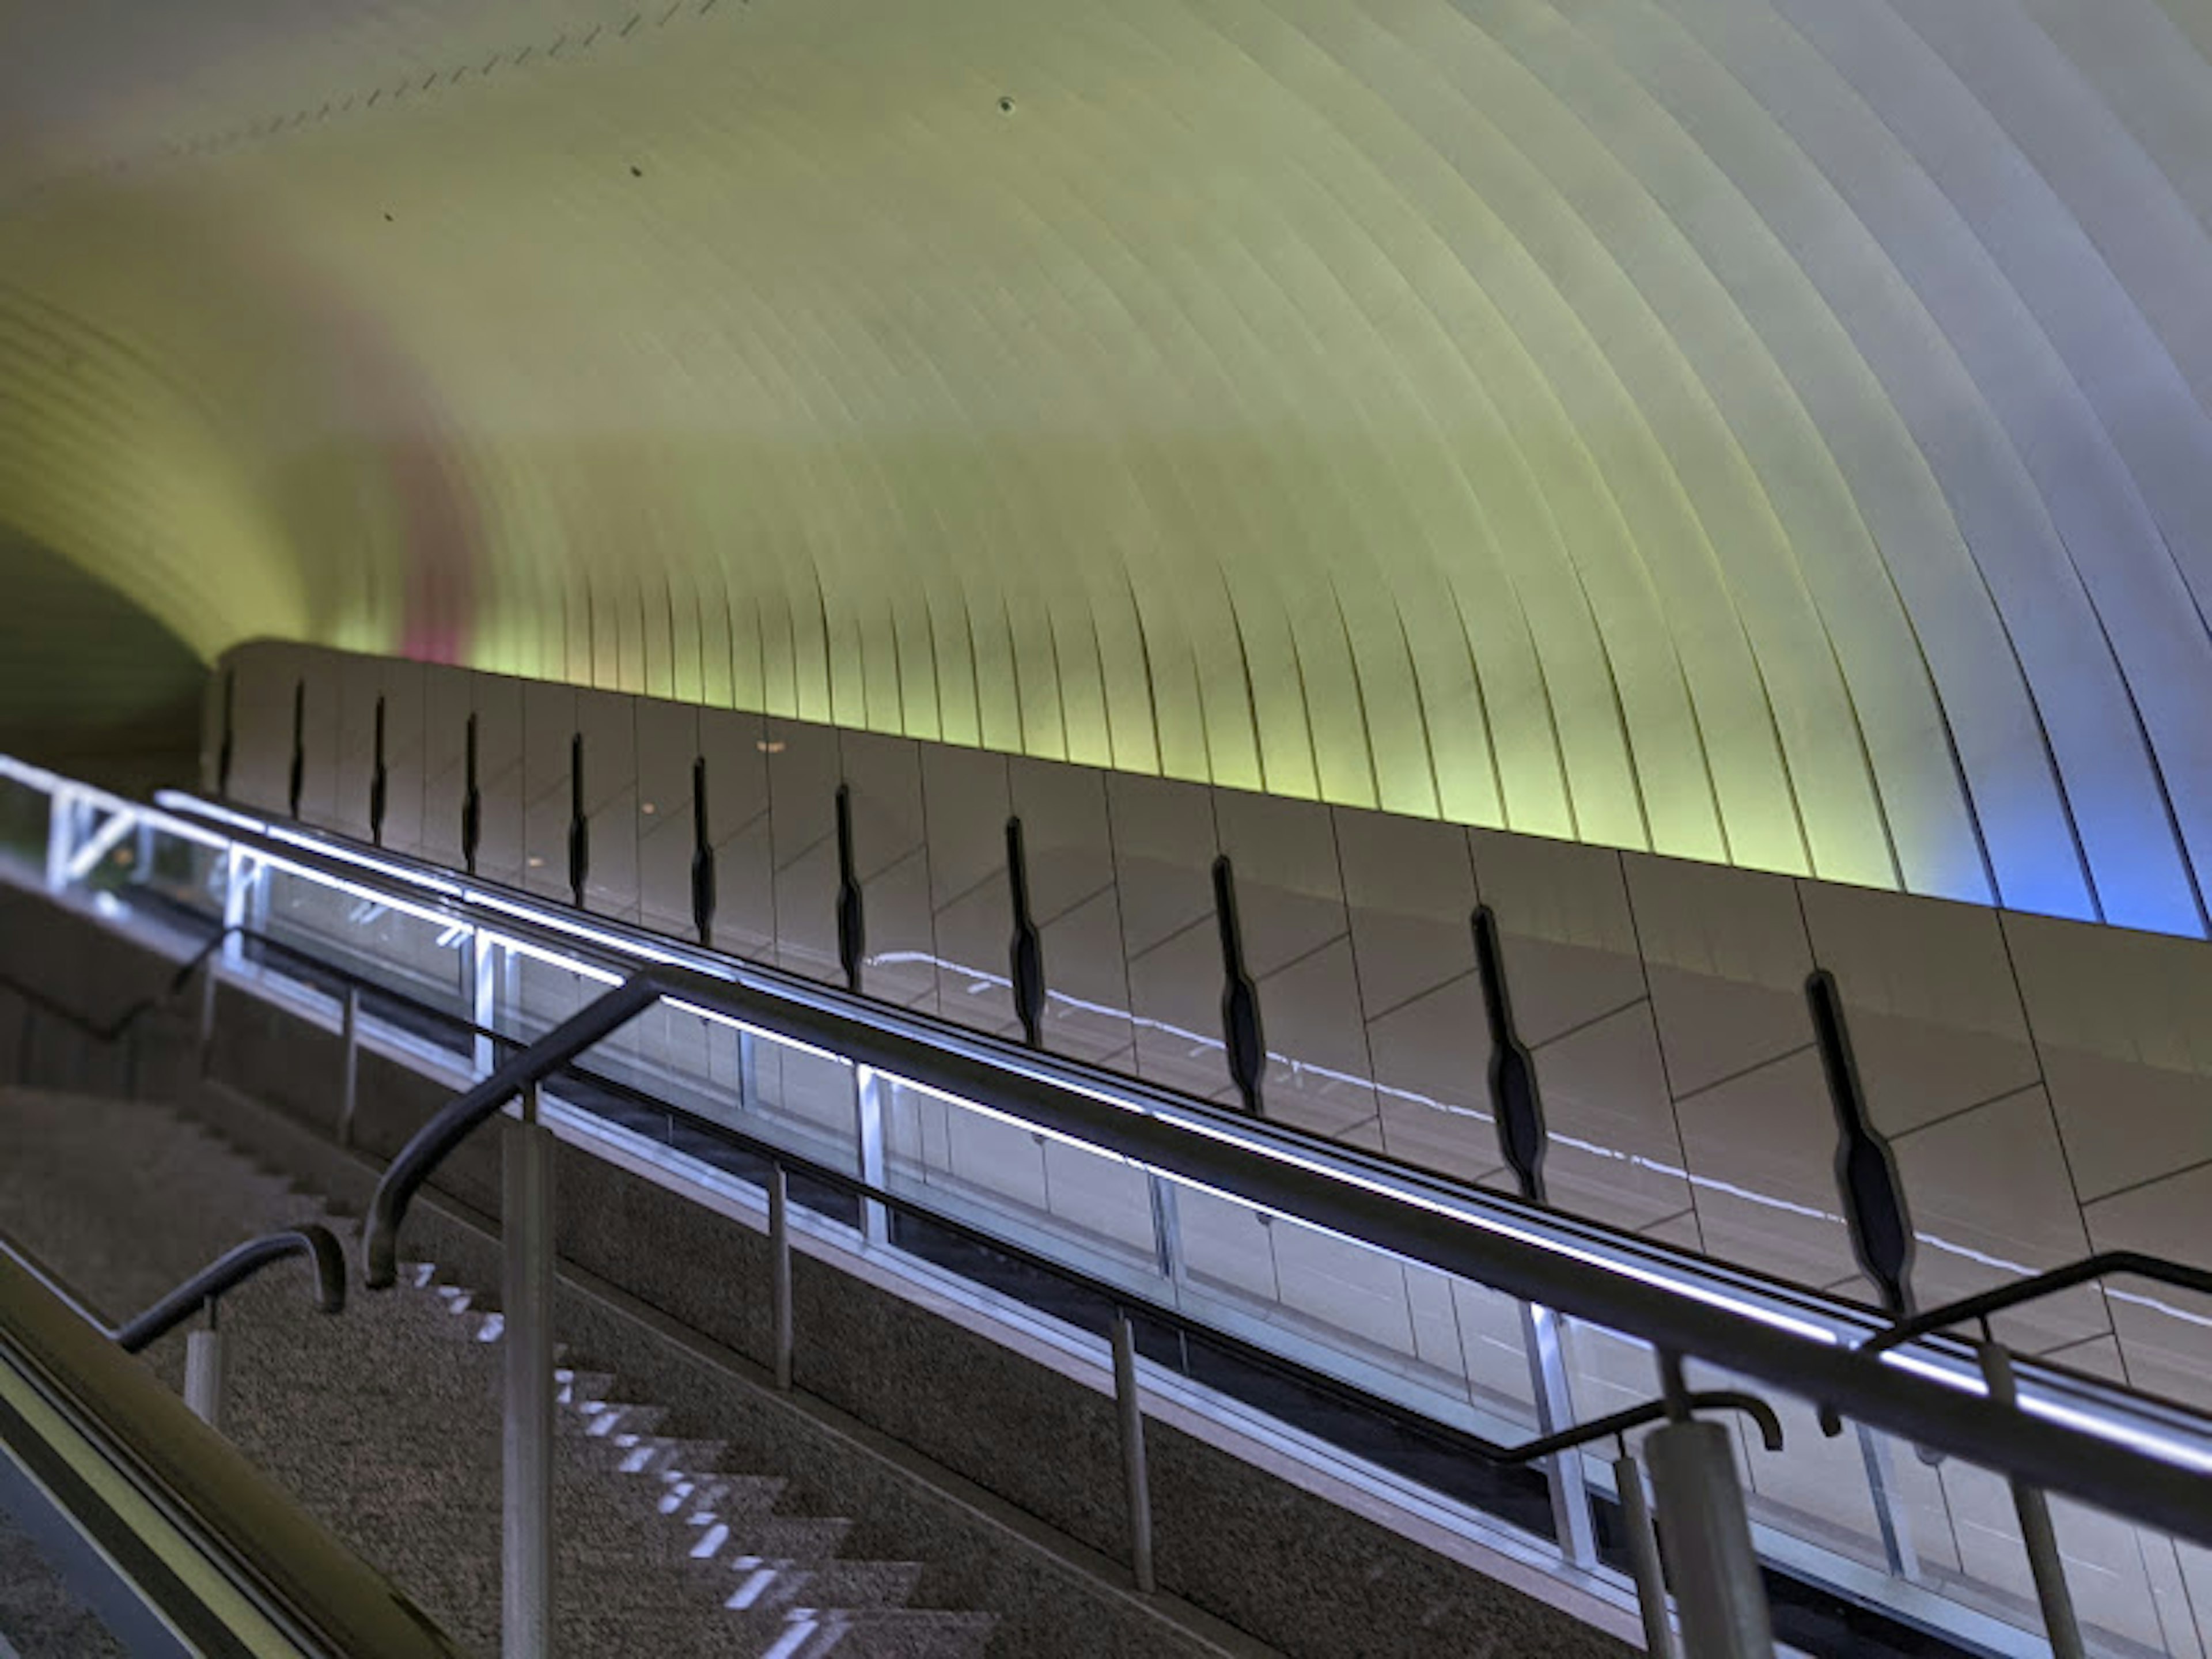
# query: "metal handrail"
330,1270
454,1122
2099,1469
181,1303
1651,1411
326,1284
2107,1264
330,1266
227,1271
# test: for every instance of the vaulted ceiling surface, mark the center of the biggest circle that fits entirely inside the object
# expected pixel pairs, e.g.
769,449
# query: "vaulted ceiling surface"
1769,431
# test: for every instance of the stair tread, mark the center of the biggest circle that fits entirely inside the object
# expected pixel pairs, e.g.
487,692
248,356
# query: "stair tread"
385,1421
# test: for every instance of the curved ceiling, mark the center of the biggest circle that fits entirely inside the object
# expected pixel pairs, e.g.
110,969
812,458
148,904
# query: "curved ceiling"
1769,431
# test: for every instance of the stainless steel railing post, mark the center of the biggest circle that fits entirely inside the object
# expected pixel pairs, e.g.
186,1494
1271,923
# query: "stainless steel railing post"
778,1244
245,898
203,1370
2052,1594
61,835
526,1542
1167,1231
868,1120
1707,1545
1644,1555
1897,1548
1555,1410
1131,1408
480,984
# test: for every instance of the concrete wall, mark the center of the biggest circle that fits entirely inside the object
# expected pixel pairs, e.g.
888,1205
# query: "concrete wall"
2046,1085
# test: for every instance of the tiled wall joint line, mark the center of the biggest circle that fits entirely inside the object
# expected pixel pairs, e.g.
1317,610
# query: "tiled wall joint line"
1751,1070
1597,1019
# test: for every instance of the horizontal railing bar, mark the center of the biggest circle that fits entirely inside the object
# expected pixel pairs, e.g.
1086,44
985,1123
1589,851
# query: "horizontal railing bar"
326,1284
2109,1264
1506,1250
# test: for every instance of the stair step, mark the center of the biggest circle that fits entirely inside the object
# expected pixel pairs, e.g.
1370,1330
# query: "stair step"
909,1633
768,1587
572,1385
877,1585
608,1420
782,1537
758,1536
781,1587
720,1497
391,1427
655,1454
627,1607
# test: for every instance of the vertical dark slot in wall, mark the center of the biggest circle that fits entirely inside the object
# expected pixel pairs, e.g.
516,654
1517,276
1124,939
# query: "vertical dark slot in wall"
580,825
380,783
226,752
1027,950
1513,1093
299,774
471,800
1866,1169
702,858
1240,998
852,918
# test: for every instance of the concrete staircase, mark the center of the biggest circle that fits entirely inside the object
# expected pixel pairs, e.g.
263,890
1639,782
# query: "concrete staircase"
385,1422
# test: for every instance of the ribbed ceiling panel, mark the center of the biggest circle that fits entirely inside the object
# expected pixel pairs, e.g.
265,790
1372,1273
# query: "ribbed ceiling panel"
1769,431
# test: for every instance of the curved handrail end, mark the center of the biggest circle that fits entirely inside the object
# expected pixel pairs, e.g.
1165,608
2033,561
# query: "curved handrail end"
454,1122
379,1256
227,1271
